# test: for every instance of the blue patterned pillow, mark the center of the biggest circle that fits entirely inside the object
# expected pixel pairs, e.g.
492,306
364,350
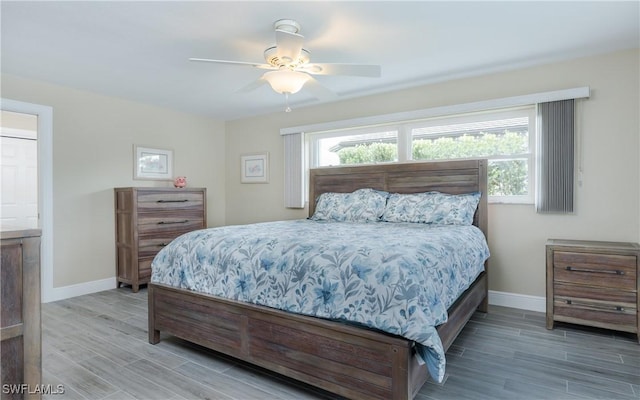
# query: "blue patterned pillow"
363,205
432,208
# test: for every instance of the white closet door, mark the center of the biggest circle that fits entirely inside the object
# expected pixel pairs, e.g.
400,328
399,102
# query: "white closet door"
18,181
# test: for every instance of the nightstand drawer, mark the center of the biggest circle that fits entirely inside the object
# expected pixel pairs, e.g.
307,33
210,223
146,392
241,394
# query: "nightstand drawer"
603,270
596,313
615,296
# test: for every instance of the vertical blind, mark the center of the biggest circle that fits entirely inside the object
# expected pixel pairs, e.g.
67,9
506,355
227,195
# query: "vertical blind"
294,170
556,157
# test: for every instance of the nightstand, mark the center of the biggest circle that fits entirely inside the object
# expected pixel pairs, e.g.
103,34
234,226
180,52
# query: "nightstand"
593,283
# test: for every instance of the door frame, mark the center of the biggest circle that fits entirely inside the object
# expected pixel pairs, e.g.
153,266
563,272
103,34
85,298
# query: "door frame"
45,186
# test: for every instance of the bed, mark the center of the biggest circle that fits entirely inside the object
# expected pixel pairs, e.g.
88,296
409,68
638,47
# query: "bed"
354,360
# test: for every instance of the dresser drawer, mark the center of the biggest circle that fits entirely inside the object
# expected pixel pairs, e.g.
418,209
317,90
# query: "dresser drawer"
593,269
144,271
159,223
152,202
149,247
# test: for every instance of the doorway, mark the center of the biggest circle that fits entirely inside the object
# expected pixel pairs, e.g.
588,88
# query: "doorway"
43,117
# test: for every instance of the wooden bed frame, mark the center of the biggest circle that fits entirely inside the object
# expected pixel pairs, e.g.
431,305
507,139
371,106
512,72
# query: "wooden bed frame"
350,361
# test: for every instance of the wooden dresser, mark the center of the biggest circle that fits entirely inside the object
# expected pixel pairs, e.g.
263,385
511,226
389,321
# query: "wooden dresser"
20,327
593,283
147,219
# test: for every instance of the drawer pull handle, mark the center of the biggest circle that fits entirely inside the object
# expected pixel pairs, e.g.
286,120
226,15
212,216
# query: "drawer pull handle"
595,306
172,222
595,271
173,201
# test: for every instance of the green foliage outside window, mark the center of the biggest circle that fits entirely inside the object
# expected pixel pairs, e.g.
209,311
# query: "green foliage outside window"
368,153
505,177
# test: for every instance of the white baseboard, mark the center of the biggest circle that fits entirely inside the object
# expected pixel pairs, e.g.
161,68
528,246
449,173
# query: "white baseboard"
505,299
66,292
515,300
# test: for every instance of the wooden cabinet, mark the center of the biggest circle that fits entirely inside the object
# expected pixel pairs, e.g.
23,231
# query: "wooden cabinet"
20,328
593,283
147,219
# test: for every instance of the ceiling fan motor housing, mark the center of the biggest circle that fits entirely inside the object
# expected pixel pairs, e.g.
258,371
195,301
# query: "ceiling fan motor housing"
287,25
271,56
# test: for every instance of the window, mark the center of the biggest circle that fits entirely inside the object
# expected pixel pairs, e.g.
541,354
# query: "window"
364,146
506,138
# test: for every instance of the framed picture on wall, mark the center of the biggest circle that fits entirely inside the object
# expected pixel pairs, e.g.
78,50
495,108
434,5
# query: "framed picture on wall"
254,168
151,163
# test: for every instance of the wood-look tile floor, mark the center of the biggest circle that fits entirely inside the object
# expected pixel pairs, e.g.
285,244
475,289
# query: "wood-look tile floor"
96,346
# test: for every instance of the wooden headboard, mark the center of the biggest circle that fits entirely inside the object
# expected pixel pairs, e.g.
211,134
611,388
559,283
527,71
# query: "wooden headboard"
455,177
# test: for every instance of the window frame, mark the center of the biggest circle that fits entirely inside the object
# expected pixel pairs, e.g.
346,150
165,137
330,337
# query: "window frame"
481,116
312,140
405,141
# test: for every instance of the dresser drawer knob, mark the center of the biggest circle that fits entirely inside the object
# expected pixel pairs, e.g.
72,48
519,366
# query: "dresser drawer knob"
173,201
594,271
172,222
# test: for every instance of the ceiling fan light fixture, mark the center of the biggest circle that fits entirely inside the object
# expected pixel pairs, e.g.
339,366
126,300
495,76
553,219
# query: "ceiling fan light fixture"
285,81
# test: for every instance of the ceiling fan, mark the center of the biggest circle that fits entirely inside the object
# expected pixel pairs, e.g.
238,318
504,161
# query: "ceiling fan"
289,67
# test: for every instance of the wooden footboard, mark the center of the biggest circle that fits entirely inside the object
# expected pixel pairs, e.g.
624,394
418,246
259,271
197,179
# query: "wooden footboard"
344,359
352,362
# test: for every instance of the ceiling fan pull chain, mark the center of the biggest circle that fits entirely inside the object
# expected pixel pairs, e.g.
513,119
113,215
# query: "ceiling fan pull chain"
286,99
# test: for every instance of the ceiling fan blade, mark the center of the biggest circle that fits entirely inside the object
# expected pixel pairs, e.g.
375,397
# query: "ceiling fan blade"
289,45
252,86
372,71
319,91
257,65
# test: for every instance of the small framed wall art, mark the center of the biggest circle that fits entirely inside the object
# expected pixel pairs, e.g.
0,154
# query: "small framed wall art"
254,168
151,163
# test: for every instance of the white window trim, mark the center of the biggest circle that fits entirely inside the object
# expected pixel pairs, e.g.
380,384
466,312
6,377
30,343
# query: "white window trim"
484,105
403,117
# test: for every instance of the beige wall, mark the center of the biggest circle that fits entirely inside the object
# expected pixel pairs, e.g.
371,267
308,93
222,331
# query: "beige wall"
93,138
607,198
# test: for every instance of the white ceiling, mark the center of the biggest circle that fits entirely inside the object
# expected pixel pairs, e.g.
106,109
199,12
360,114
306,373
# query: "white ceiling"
139,50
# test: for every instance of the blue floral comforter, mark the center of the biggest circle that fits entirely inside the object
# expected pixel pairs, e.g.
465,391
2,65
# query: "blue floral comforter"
396,277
